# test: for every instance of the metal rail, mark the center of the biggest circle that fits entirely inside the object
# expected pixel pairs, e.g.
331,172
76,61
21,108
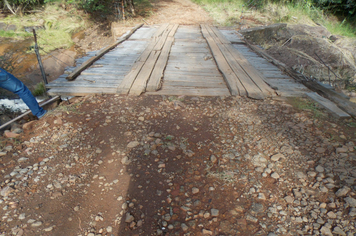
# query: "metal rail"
28,112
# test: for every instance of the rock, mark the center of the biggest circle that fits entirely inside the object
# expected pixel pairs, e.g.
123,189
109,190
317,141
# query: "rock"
301,175
6,191
214,212
129,218
22,159
351,201
276,157
36,224
342,191
49,229
195,190
325,231
320,150
133,144
125,160
213,159
289,199
261,196
319,169
338,231
109,229
207,232
251,218
331,215
275,175
184,227
9,134
259,160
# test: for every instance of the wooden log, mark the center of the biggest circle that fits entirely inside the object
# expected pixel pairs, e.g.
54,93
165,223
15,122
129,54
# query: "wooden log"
89,62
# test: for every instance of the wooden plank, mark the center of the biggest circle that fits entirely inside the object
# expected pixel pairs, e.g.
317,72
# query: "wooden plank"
187,79
191,92
141,81
69,91
200,84
328,105
255,75
154,82
129,80
251,79
231,80
89,62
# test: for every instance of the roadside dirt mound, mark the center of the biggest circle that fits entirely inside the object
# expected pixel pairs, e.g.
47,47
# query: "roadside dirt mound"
308,49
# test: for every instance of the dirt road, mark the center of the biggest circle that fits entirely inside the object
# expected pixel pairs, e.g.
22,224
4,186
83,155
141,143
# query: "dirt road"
152,165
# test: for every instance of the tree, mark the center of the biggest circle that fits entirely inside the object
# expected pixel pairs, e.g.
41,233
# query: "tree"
17,7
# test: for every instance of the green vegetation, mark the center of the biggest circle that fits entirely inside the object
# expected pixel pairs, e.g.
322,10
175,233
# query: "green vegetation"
39,90
228,12
306,104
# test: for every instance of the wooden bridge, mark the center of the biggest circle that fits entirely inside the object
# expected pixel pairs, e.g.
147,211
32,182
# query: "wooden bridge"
176,60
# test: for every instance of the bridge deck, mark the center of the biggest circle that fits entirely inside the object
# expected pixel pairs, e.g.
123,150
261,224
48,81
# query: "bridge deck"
179,60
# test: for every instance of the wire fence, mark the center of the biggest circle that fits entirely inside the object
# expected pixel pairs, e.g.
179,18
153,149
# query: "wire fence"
13,60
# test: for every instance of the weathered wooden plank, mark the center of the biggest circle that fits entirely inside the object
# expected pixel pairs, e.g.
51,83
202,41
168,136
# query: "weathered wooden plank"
328,105
255,75
177,77
154,82
85,85
232,36
153,43
141,81
86,64
232,81
68,91
200,84
253,79
191,92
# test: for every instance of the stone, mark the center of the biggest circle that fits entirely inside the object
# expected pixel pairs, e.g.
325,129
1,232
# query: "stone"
320,150
49,229
22,159
289,199
195,190
331,215
9,134
36,224
125,160
214,212
6,191
351,201
275,175
342,192
319,169
133,144
338,231
276,157
259,160
207,232
251,219
129,218
184,227
325,231
213,159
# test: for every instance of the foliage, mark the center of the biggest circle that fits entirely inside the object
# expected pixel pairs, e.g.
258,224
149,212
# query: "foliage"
39,90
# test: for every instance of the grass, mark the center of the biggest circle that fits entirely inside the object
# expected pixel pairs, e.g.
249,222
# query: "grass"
305,104
227,13
59,26
39,90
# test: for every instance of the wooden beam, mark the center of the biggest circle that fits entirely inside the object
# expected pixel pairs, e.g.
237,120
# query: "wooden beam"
89,62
